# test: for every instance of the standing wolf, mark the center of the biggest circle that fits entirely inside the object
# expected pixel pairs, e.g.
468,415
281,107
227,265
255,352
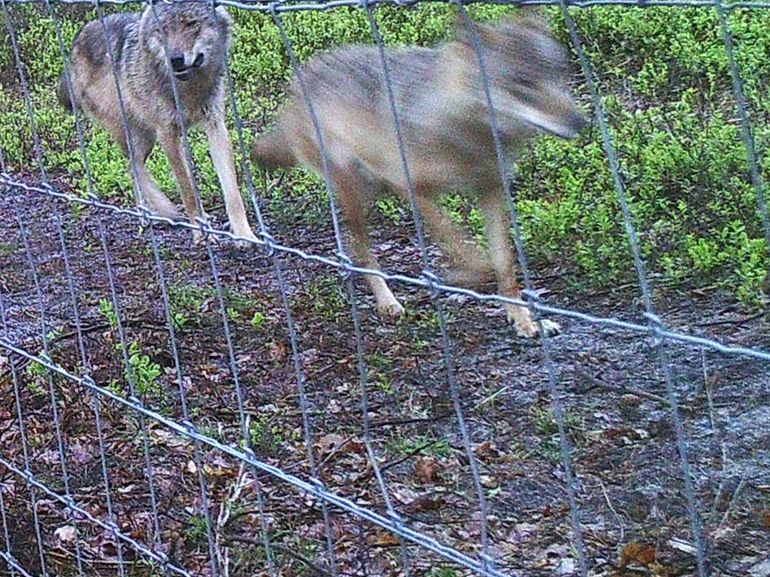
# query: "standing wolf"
196,40
447,137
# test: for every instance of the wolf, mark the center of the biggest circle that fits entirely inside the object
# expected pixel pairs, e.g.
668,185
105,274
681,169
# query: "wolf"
187,41
446,132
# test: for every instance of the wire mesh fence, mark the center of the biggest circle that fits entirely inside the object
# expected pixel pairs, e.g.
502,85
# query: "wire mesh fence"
282,448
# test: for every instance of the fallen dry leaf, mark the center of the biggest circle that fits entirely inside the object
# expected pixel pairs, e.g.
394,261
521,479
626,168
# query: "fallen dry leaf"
329,444
80,454
430,502
66,534
488,481
426,469
384,539
642,554
49,457
486,450
333,446
277,352
764,518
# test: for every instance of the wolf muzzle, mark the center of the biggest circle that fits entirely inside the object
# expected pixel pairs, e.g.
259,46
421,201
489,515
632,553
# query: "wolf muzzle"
567,129
577,122
179,65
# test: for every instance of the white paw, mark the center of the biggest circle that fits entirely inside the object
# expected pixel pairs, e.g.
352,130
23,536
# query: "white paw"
550,328
530,329
527,330
247,238
391,309
521,319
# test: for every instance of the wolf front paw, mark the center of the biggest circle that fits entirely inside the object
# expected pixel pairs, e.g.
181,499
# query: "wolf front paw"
550,328
246,238
522,322
390,310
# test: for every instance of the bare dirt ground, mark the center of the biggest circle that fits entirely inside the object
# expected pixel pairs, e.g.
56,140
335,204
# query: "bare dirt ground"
629,489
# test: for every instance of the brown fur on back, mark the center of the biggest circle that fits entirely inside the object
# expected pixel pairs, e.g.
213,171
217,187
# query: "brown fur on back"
440,101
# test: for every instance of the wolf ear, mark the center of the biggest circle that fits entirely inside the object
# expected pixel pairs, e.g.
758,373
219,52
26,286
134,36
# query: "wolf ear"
224,16
146,18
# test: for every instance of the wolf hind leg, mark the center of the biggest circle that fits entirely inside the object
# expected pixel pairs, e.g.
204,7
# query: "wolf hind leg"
497,227
469,266
171,142
354,191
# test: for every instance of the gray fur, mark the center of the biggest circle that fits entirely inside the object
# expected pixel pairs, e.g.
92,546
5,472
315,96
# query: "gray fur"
145,47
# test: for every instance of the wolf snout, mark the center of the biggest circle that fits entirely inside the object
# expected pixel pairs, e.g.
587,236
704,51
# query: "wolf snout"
181,64
178,63
577,122
568,126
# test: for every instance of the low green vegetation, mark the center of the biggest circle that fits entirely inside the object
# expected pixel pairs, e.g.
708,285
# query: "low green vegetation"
667,91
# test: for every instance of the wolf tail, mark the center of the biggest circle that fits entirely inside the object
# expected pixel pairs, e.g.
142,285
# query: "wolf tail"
63,93
272,150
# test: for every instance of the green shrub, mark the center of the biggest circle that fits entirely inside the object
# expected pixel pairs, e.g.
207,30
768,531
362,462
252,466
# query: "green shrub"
667,92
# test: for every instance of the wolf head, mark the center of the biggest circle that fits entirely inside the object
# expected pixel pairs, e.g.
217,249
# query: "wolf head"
189,38
527,70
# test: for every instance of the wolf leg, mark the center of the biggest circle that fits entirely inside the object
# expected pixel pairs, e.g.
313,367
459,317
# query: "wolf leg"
221,151
172,146
497,229
470,266
352,188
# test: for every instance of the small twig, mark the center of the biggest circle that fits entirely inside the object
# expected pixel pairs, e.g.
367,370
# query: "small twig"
740,321
614,289
406,457
708,388
598,383
491,397
734,499
609,504
286,551
104,326
223,518
393,422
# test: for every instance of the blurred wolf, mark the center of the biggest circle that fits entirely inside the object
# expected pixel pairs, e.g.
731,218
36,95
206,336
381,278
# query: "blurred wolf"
447,137
196,40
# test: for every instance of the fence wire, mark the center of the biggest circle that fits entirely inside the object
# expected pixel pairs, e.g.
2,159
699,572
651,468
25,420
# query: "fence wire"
411,540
